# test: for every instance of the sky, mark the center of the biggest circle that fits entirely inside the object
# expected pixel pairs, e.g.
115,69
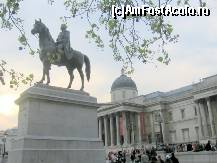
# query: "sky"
192,58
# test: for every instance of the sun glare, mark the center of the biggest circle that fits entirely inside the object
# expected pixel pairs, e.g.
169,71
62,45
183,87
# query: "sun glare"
7,106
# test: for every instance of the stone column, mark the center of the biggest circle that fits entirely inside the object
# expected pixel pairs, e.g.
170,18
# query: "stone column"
152,127
204,120
117,128
111,130
125,128
210,117
139,128
164,129
201,132
106,130
132,125
100,128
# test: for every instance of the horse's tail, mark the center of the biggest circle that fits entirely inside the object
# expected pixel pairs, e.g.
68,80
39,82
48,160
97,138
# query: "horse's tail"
87,69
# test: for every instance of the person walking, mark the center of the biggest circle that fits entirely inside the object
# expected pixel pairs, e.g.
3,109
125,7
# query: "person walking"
174,159
159,159
144,158
137,157
168,160
208,146
153,159
132,157
128,160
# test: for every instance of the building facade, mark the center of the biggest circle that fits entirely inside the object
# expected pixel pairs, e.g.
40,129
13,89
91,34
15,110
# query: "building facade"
187,114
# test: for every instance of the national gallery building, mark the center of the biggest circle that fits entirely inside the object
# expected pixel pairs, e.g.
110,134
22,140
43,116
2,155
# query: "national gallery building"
183,115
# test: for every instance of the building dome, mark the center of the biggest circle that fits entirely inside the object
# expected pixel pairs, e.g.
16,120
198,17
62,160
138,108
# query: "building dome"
123,88
123,82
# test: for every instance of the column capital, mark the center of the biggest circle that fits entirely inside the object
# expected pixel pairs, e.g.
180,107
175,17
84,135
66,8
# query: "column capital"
201,100
117,113
207,98
100,117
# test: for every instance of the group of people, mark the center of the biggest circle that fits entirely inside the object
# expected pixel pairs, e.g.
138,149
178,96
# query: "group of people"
186,147
196,147
140,156
149,155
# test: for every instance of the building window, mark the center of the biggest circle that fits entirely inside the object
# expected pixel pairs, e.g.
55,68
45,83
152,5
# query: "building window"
183,113
157,117
124,94
173,137
185,135
170,116
195,111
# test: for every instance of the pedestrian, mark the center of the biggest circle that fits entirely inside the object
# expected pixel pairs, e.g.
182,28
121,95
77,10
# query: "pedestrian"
153,159
153,152
216,144
144,158
132,157
113,158
189,147
119,157
159,159
137,157
168,160
174,159
128,160
124,157
208,146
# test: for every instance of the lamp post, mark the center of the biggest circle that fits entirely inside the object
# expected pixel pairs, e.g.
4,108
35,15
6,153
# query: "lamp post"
3,140
4,144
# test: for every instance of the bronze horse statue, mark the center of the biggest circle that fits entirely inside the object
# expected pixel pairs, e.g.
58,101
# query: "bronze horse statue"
49,54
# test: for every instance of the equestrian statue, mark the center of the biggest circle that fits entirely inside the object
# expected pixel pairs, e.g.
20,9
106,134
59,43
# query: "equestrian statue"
59,53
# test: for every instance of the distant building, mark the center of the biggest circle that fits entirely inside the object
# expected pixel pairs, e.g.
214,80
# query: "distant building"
6,139
183,115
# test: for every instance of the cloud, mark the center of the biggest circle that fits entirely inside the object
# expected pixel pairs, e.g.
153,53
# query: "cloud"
7,121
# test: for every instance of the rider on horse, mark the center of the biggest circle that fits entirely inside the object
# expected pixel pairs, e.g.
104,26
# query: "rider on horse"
69,58
63,44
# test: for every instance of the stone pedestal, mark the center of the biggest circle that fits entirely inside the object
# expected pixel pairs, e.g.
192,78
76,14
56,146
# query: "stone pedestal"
57,125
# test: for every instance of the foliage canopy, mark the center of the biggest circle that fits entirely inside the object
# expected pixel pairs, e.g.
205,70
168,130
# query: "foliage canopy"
144,38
